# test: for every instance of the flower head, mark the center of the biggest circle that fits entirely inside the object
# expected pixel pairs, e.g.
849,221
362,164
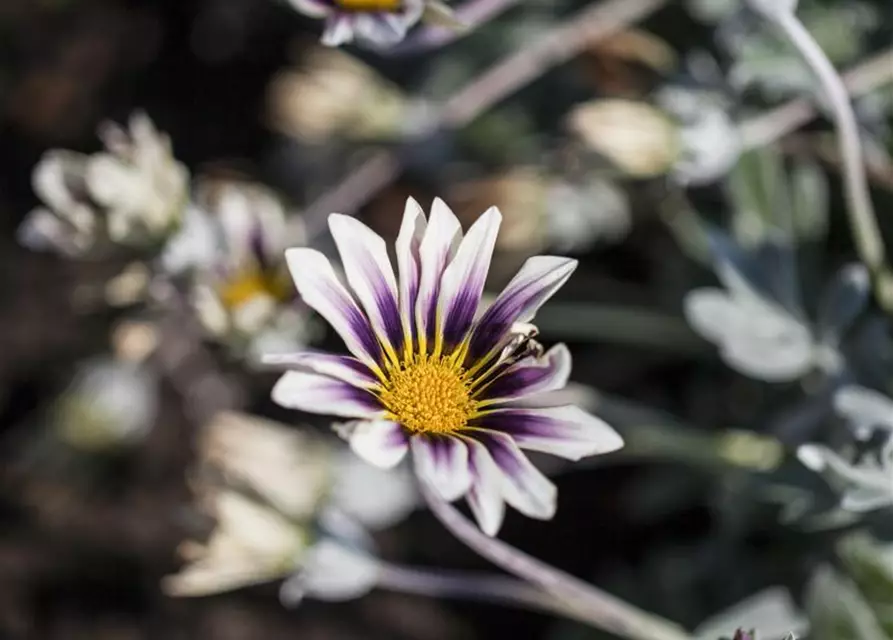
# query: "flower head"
464,393
132,193
376,22
231,246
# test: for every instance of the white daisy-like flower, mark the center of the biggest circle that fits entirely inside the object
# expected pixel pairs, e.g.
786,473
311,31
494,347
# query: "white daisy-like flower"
374,22
132,193
231,245
112,402
283,502
464,393
756,319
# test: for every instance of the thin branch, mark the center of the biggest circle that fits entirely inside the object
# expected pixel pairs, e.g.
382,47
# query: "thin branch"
498,82
772,125
481,587
596,607
864,224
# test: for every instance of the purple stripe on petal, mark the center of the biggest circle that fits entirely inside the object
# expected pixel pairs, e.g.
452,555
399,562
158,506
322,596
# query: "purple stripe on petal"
531,375
443,462
344,368
358,324
568,432
408,246
370,275
524,487
316,393
322,291
439,244
464,278
536,282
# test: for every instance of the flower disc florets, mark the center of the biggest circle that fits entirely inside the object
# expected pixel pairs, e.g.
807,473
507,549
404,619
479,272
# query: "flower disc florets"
429,396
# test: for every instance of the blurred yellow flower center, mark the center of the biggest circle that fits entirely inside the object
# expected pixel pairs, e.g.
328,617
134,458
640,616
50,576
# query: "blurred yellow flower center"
430,396
370,5
251,283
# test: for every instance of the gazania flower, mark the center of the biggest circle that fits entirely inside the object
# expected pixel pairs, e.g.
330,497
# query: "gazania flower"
231,245
132,193
376,22
464,394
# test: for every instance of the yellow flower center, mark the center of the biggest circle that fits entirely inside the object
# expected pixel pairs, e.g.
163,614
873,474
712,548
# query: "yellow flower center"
251,283
429,396
370,5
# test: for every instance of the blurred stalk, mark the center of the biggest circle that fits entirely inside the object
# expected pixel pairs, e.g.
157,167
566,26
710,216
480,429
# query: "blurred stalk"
593,606
862,217
649,433
860,80
470,586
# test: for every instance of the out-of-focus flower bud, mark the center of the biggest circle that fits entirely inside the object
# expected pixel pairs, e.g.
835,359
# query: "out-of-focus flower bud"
637,138
334,95
251,544
111,403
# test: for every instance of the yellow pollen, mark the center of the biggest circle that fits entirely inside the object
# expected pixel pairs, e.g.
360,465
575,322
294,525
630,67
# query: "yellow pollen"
370,5
253,282
430,396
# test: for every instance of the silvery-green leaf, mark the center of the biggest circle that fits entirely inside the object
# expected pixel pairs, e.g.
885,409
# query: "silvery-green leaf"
771,611
757,189
809,199
838,611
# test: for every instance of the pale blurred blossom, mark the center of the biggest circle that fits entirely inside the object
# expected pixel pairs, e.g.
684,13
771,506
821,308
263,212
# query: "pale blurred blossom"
756,318
636,137
131,193
376,23
112,402
231,251
585,212
708,140
334,94
287,504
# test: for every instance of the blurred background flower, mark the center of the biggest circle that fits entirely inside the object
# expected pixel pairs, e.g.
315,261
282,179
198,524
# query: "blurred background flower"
133,193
